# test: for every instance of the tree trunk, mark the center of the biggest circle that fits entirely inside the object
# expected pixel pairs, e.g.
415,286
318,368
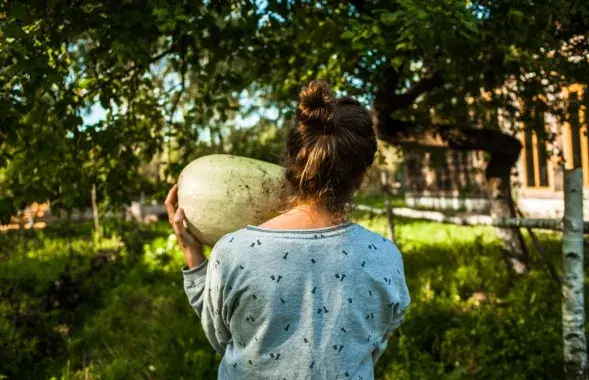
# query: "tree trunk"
95,209
573,309
513,246
221,140
504,151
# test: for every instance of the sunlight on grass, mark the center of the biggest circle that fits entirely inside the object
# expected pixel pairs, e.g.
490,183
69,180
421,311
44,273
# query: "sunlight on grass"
121,311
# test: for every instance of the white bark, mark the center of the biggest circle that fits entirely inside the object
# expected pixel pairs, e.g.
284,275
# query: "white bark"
472,220
573,309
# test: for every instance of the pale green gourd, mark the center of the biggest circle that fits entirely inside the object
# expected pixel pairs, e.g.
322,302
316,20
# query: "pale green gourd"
222,193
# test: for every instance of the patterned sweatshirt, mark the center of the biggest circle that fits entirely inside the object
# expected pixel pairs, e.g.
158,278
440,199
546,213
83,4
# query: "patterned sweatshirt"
299,304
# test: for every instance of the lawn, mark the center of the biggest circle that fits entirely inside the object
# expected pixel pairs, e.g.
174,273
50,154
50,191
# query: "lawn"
73,306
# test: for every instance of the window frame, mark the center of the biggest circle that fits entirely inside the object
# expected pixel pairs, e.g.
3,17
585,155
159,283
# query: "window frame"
583,138
536,165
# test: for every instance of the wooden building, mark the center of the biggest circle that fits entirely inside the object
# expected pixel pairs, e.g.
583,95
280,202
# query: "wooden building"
455,180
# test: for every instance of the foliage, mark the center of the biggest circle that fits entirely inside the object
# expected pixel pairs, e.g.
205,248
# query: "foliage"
115,317
465,320
264,141
107,316
166,71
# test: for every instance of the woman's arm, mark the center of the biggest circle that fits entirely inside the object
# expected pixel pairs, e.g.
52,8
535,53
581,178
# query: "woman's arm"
382,346
202,287
399,309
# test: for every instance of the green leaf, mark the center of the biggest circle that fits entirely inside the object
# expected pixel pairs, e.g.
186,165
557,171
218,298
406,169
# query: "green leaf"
389,18
348,34
396,62
471,26
366,33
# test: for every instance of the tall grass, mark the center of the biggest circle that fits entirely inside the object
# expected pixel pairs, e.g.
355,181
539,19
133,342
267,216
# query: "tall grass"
113,308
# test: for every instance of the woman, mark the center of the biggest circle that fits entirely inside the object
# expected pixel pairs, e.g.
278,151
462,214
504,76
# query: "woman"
308,294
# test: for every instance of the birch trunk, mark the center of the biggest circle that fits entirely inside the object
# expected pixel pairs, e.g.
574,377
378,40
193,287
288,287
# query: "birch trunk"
573,309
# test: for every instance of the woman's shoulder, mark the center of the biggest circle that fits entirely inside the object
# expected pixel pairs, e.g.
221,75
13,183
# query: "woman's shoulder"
232,237
376,242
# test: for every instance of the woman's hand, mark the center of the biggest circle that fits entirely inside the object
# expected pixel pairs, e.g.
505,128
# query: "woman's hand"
192,248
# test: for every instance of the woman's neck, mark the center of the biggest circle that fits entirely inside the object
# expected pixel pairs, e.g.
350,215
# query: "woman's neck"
305,216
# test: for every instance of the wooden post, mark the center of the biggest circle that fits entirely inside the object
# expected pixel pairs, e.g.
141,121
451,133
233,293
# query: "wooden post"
390,217
95,209
573,312
387,202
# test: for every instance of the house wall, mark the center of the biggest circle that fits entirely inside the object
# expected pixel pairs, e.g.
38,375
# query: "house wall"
535,206
447,180
439,172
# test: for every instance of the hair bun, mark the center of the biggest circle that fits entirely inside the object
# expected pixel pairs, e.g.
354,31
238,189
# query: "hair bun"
315,108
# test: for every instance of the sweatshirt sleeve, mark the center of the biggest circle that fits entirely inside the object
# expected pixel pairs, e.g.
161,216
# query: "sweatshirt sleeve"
204,287
398,314
378,351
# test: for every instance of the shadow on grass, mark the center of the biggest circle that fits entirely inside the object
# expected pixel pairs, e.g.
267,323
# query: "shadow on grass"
128,317
465,321
111,319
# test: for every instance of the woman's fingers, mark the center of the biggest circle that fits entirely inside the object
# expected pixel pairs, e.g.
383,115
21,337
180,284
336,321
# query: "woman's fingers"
190,246
184,237
177,223
170,203
176,216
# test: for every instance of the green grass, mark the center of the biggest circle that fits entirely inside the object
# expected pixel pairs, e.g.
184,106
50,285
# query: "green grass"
378,201
121,312
513,334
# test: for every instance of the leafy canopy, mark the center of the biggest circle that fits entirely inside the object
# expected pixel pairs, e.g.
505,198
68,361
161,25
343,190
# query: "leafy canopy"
166,70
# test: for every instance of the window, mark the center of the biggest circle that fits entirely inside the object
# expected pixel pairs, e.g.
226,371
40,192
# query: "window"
535,161
575,137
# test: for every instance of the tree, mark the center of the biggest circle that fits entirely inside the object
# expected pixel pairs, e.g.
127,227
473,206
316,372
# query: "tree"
419,61
573,301
169,69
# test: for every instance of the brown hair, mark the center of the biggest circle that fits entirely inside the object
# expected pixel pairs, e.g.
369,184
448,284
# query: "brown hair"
328,149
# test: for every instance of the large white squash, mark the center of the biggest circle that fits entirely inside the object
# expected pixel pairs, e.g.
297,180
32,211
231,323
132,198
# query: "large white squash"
222,193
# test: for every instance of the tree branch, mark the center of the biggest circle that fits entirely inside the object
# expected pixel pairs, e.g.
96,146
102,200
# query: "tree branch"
458,137
162,54
504,149
384,96
424,85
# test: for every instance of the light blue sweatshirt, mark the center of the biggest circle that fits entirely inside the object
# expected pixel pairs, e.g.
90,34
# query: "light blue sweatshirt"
299,304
